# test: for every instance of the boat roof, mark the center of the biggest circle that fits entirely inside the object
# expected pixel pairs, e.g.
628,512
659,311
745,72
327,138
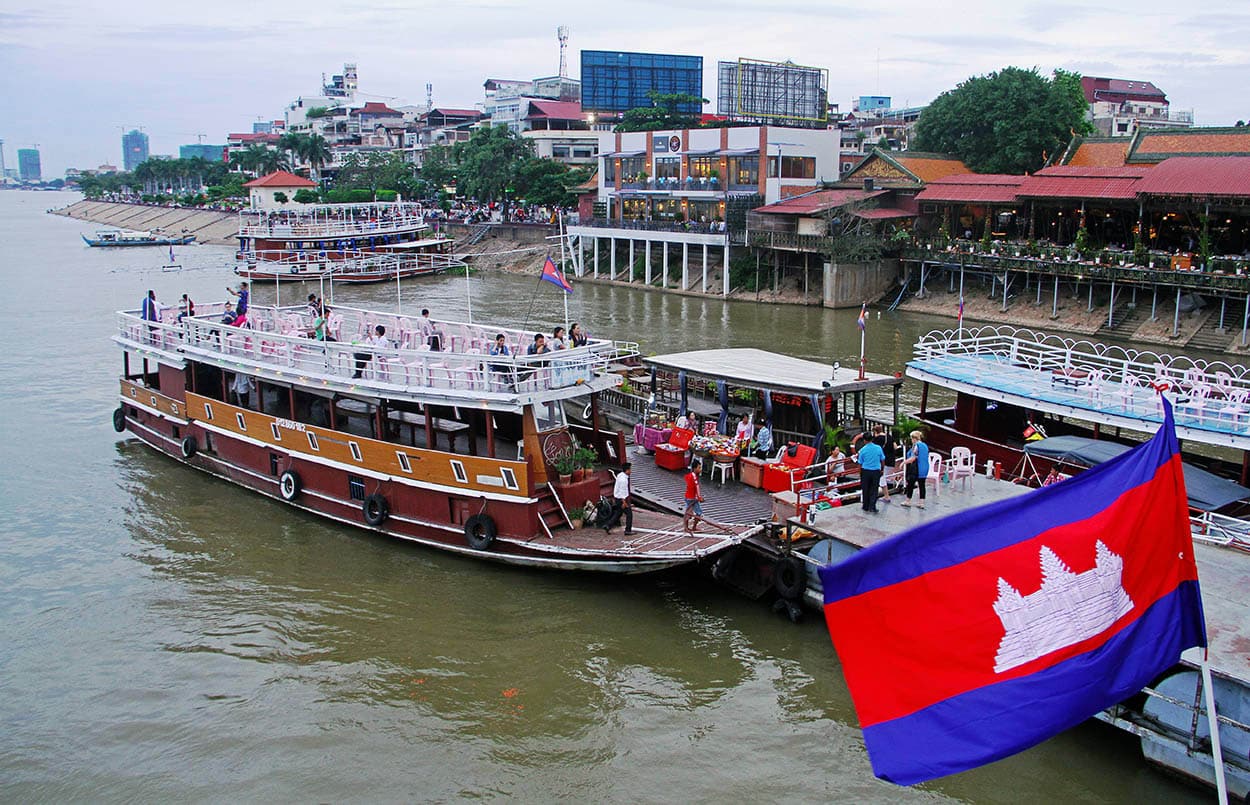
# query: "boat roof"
1206,491
755,368
416,244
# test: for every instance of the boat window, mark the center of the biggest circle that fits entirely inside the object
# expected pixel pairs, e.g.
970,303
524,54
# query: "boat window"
355,448
509,478
356,487
208,414
277,434
403,461
312,441
273,463
549,415
242,422
457,467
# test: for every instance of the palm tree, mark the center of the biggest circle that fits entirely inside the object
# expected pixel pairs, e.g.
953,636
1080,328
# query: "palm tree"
293,143
316,153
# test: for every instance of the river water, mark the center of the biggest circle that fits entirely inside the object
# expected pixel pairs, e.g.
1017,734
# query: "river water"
168,636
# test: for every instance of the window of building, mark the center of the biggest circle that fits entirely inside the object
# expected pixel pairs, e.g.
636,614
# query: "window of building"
560,151
609,171
744,171
668,168
634,208
798,167
631,167
702,167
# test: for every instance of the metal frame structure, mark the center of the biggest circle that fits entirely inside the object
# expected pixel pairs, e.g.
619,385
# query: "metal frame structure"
778,93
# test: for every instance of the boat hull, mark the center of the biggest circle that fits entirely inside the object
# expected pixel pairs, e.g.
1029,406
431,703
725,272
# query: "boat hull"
314,274
119,244
414,513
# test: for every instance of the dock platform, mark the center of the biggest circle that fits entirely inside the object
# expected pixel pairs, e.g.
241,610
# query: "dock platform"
730,503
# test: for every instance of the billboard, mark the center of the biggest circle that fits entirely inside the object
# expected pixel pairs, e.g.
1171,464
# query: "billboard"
617,81
781,93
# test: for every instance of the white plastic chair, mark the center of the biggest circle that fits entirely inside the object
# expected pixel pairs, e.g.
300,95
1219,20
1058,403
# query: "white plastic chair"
962,465
935,473
1196,406
1235,408
725,468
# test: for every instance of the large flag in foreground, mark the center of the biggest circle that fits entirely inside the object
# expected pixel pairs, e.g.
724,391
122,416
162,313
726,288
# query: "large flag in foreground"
970,638
553,274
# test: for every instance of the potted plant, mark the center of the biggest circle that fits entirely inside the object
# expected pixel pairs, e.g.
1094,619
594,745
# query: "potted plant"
580,515
564,465
584,460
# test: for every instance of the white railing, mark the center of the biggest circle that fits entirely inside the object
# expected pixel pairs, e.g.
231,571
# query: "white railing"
333,220
1049,354
278,339
1217,529
333,228
350,264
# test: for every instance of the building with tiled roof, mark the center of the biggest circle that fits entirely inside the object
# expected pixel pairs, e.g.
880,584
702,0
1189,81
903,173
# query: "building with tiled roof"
1119,107
1152,146
262,191
910,169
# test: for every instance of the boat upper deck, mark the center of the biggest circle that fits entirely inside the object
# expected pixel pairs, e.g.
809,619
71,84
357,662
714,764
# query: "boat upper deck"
333,221
347,265
277,345
1110,385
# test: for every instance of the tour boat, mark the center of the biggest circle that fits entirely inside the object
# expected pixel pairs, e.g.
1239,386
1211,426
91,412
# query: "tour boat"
317,233
454,449
354,267
1013,385
127,237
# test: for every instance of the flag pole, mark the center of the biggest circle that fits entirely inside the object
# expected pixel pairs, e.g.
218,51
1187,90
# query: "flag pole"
560,218
863,329
1213,725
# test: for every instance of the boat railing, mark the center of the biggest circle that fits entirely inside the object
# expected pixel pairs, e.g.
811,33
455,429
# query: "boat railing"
1100,367
1219,529
348,263
331,228
277,339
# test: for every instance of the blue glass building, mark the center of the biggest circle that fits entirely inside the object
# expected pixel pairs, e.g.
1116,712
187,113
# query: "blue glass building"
617,81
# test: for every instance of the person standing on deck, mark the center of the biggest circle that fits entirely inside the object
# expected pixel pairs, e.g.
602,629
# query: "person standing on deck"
148,309
240,308
694,499
916,466
744,433
764,441
870,458
430,332
621,502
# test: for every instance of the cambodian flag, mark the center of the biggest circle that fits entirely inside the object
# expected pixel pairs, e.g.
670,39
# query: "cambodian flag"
553,274
961,310
862,321
973,637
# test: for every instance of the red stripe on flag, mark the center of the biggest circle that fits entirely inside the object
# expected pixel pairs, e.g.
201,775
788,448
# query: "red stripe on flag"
912,644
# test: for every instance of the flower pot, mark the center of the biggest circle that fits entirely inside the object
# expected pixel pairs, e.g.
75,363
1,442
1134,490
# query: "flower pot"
565,480
578,523
579,474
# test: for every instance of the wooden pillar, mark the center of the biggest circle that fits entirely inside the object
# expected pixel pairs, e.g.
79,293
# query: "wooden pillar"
430,444
334,420
924,396
490,433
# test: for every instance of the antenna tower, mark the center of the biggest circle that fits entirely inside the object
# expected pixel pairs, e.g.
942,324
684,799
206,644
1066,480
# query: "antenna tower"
562,33
429,97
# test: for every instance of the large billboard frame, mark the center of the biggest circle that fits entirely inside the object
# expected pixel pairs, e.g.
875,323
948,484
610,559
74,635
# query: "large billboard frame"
630,70
761,91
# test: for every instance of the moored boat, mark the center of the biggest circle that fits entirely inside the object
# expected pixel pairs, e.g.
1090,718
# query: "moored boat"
453,449
321,232
127,237
352,267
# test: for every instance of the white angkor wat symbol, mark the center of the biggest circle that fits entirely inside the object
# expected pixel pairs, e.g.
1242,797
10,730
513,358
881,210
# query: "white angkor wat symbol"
1068,608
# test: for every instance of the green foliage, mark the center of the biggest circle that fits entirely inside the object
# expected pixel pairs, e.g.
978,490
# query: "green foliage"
906,424
280,197
662,114
742,274
1204,242
545,181
585,457
1082,242
373,172
1141,255
230,187
387,195
307,196
883,144
836,437
347,195
438,169
488,162
1005,122
317,111
626,387
259,160
565,463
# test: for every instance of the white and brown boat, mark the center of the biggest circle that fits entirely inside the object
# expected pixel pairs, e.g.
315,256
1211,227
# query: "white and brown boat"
450,449
305,242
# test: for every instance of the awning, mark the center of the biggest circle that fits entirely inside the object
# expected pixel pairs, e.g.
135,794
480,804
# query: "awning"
740,152
754,368
623,154
1206,491
695,152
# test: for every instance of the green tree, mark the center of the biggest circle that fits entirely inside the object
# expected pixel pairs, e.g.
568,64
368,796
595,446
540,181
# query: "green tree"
545,181
306,196
316,153
1009,121
663,113
281,197
373,172
488,162
438,169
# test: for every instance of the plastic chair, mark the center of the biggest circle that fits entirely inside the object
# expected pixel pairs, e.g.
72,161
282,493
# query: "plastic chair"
725,468
1196,406
935,473
962,465
1236,408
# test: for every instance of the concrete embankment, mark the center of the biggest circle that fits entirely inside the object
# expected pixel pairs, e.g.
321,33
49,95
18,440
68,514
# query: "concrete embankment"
208,226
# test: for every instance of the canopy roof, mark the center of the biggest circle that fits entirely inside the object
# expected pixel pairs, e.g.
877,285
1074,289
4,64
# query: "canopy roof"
754,368
1206,491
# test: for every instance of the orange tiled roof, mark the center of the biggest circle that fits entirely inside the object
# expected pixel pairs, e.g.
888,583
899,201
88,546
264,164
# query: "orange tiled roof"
1100,154
929,167
1194,142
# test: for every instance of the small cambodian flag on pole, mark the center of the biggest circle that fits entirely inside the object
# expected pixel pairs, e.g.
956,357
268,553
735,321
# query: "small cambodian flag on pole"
973,637
862,321
553,274
961,310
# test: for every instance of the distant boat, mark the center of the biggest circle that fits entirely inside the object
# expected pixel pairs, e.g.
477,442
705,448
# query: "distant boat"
172,265
127,237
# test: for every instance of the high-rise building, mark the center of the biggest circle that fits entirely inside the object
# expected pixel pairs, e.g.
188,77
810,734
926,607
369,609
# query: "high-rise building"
28,169
213,153
134,149
616,81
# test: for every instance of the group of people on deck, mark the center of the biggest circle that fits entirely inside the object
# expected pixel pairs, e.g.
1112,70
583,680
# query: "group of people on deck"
878,452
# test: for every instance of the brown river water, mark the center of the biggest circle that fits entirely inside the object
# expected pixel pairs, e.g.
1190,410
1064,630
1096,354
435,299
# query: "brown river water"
168,636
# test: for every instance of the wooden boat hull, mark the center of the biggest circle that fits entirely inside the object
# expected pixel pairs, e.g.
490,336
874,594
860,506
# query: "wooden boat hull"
313,273
421,516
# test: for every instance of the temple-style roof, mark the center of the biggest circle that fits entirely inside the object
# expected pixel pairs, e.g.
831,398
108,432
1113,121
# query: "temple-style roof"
1198,176
904,168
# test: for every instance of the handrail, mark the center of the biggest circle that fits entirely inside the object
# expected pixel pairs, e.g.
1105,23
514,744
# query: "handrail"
333,229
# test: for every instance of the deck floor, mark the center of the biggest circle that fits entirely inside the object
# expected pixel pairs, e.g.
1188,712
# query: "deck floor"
654,532
731,503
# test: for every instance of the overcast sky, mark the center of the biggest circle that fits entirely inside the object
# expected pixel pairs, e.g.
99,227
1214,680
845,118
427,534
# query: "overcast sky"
74,75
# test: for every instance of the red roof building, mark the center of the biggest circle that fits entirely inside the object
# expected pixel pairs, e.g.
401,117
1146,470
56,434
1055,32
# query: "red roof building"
973,188
1198,177
281,179
819,201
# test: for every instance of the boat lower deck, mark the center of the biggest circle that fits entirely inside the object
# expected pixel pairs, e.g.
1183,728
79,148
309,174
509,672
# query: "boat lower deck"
728,502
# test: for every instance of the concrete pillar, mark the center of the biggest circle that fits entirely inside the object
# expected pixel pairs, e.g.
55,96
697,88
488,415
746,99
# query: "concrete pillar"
1111,305
1245,320
1176,315
685,266
1154,302
612,260
646,272
1006,284
1054,304
724,277
664,275
704,287
630,277
595,245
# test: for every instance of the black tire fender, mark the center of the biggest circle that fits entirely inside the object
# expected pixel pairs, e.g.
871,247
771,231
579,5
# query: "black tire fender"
119,419
289,485
189,447
790,578
375,510
480,532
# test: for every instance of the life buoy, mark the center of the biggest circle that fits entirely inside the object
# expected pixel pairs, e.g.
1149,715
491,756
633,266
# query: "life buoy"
480,532
790,578
375,509
119,419
289,485
189,447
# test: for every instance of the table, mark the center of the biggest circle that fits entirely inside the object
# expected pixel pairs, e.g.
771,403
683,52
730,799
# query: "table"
450,427
647,437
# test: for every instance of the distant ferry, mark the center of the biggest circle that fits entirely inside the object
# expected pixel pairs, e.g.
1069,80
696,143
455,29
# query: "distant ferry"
321,232
129,237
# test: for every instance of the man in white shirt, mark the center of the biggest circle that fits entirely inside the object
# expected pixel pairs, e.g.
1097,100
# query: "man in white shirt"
621,503
378,340
430,332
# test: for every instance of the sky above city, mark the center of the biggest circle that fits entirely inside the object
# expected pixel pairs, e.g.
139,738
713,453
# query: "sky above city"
75,75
